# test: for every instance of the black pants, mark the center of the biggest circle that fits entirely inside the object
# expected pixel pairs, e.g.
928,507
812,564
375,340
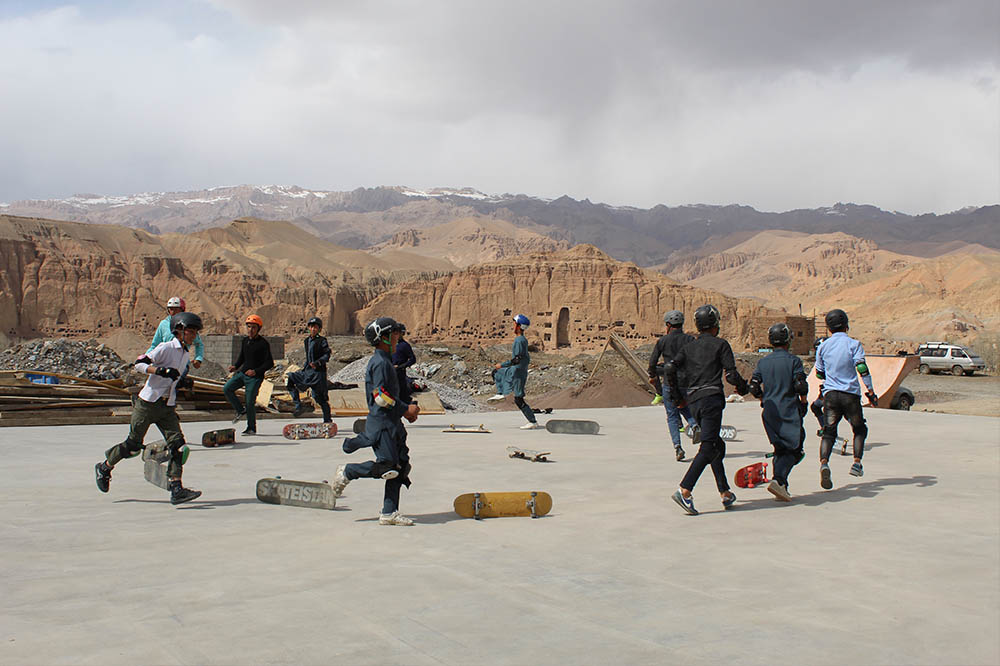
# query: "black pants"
838,405
528,412
707,412
317,384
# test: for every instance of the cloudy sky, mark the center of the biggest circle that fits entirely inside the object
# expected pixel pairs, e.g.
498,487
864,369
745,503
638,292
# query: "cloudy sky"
774,104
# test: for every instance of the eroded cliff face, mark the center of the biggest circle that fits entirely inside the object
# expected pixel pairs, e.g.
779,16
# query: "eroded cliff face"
572,297
64,278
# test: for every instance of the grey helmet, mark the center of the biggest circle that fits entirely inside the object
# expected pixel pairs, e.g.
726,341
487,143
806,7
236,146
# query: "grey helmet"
836,320
380,330
183,320
706,317
674,318
779,334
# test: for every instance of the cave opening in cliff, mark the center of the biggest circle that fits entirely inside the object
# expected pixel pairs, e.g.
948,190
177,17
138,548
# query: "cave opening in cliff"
562,328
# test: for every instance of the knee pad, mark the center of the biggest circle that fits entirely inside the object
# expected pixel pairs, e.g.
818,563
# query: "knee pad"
179,452
519,401
861,430
129,449
830,431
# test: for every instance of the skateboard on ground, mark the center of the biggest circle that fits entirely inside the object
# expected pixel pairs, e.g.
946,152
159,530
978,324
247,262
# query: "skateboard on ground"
547,410
751,475
309,430
359,426
839,444
528,454
572,426
499,505
726,432
219,437
455,428
154,457
309,494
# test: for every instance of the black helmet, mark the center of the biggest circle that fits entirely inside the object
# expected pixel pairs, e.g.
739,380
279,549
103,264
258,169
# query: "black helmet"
185,320
836,320
379,330
674,318
779,335
706,317
315,320
401,327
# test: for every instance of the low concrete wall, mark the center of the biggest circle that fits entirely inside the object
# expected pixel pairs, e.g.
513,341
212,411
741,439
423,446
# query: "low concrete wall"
223,349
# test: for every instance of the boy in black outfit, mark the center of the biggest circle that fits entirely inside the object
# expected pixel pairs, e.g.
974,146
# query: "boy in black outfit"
703,361
248,373
402,358
783,404
313,375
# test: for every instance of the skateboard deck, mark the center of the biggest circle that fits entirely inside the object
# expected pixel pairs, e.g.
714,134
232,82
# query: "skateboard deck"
219,437
308,494
455,428
726,432
499,505
309,430
528,454
154,458
359,426
751,475
841,445
572,426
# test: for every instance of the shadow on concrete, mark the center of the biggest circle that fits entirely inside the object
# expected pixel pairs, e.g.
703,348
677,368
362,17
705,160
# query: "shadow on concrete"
838,494
424,518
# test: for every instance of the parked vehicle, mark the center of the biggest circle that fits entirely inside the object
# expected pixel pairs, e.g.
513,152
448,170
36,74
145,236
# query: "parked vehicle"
903,399
944,357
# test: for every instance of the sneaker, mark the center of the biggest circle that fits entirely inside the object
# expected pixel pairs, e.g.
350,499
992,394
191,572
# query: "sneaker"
779,491
249,431
390,475
239,417
657,400
679,454
729,500
495,398
179,494
857,470
683,429
686,503
340,481
824,477
530,426
819,433
299,410
103,476
395,519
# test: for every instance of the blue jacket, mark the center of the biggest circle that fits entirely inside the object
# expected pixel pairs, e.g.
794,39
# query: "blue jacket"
164,334
838,357
777,372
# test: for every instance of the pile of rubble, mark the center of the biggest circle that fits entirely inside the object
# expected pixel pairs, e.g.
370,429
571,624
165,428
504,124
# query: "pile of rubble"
78,358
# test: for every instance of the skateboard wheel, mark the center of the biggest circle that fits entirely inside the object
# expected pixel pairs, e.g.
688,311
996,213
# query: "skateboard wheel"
278,476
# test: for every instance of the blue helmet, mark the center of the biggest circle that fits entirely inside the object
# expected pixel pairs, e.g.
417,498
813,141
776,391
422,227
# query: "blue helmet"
522,321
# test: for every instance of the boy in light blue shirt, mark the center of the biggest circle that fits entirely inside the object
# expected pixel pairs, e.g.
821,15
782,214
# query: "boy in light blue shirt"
839,361
163,333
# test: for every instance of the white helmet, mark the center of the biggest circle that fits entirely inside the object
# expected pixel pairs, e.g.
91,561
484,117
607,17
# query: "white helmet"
176,302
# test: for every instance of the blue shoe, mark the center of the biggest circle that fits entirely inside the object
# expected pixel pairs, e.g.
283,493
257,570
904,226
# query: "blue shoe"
824,477
728,502
686,503
857,470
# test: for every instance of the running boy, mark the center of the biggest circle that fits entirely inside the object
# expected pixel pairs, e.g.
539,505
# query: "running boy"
157,404
402,358
384,430
667,347
703,360
783,404
511,376
254,360
313,376
839,361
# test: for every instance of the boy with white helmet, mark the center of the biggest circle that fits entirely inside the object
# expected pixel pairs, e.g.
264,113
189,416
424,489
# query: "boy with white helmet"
176,305
511,376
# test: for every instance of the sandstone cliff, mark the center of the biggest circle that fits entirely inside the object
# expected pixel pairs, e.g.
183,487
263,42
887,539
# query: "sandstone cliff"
573,298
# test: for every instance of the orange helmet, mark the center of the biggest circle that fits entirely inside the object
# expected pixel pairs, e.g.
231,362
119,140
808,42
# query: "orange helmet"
254,319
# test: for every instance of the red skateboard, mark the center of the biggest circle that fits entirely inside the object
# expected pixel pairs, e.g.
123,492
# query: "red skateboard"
309,430
751,475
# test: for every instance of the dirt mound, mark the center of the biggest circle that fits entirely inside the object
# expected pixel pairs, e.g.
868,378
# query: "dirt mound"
600,391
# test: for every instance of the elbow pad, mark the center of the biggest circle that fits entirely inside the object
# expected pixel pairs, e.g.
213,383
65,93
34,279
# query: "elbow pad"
820,375
515,360
383,399
755,389
143,359
862,369
800,385
734,378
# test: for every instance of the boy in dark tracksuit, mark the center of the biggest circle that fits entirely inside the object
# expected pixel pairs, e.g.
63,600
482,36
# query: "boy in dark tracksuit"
783,404
839,361
703,361
313,375
384,430
402,358
666,348
254,360
156,405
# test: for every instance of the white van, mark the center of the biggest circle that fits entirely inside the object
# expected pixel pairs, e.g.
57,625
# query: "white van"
943,357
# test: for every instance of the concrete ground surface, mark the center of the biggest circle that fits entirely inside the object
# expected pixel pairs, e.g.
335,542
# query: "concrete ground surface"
901,566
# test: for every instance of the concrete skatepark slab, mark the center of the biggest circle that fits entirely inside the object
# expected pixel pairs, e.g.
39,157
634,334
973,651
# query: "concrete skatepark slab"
901,566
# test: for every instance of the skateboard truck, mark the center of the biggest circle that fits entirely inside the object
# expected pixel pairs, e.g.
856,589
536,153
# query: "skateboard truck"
477,504
532,504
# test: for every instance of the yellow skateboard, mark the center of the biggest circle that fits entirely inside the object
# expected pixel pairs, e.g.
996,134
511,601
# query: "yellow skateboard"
501,505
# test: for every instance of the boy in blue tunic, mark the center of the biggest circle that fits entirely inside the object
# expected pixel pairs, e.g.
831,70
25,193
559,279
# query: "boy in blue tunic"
511,376
384,431
783,404
313,375
839,361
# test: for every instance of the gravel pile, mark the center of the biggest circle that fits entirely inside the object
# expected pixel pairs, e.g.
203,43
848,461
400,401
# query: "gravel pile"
77,358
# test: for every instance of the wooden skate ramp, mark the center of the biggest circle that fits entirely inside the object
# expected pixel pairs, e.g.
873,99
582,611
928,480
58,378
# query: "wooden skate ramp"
887,372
